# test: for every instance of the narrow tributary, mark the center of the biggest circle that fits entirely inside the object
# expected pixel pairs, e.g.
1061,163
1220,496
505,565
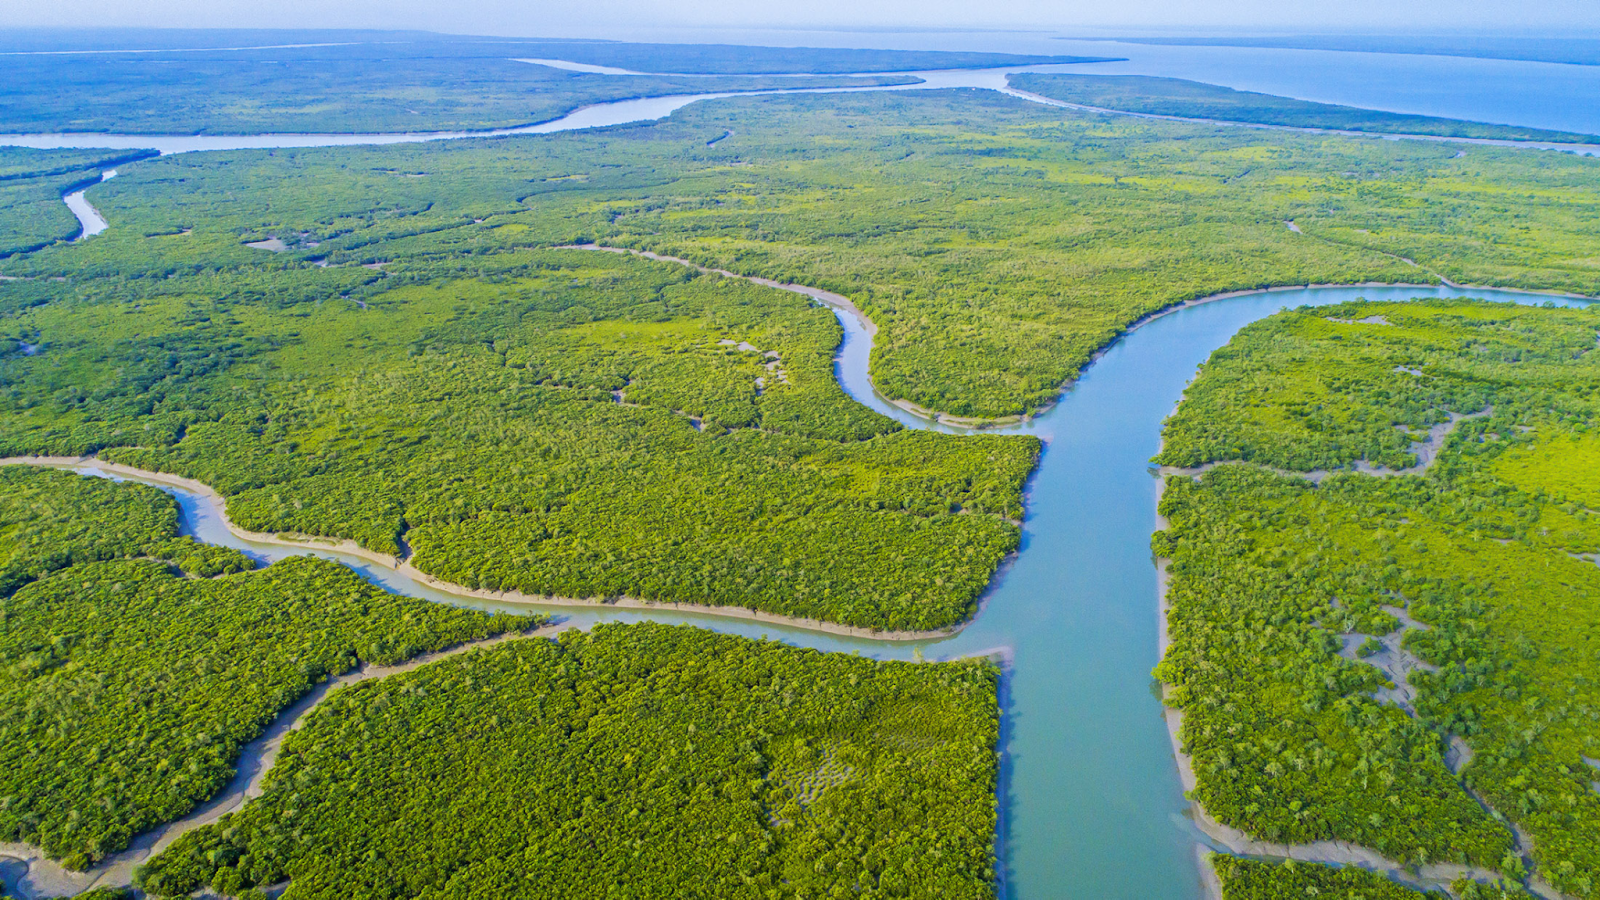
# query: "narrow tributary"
1092,804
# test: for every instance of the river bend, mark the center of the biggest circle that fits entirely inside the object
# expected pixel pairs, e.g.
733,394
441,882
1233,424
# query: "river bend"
1092,804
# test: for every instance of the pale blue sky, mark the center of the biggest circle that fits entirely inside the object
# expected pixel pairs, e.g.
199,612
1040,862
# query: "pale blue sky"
635,18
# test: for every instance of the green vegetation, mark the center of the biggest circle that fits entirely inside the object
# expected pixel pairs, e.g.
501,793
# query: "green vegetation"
1250,879
639,761
1489,552
31,185
1503,889
469,412
323,90
402,82
569,423
49,521
997,243
1196,100
128,688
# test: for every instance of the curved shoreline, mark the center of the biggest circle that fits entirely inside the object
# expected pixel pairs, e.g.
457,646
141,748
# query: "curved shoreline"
90,221
390,562
1574,147
403,567
933,417
941,79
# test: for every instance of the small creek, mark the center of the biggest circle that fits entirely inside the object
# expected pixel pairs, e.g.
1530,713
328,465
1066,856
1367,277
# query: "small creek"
1092,804
90,222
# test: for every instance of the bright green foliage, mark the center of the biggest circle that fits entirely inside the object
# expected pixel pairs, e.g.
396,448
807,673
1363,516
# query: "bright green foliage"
1251,879
1285,743
105,893
998,244
49,522
127,691
556,422
1319,389
31,184
1196,100
1490,550
1467,889
640,761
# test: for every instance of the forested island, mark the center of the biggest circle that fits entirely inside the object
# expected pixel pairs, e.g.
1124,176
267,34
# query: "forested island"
1383,648
266,82
563,423
32,183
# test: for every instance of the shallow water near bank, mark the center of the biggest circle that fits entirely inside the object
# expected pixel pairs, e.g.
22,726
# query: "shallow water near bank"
1091,803
90,222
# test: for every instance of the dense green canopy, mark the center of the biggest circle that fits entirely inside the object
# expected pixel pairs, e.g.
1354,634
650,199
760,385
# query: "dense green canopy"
1479,571
128,688
643,761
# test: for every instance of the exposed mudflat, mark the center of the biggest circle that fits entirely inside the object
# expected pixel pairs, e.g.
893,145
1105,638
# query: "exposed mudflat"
1426,451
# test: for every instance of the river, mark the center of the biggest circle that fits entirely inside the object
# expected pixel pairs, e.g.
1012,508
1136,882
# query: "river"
644,109
1092,806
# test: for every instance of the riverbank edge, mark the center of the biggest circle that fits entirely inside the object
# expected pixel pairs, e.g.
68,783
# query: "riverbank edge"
46,877
402,567
979,424
1583,148
839,301
1237,842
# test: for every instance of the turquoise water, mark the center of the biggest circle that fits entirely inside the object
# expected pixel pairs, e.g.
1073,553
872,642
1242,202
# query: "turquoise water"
1092,806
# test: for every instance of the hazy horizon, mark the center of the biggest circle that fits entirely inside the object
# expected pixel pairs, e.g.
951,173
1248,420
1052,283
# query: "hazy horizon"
656,19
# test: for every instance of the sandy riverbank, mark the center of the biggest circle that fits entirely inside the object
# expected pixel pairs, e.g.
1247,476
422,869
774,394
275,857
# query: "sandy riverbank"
404,567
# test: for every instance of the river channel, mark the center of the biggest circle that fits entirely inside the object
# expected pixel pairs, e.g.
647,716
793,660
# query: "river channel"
1092,806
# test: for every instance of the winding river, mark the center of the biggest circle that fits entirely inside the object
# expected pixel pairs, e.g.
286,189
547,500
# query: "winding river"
1092,805
643,109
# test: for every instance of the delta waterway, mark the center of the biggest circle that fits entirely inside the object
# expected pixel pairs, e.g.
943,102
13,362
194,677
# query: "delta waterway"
1091,803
